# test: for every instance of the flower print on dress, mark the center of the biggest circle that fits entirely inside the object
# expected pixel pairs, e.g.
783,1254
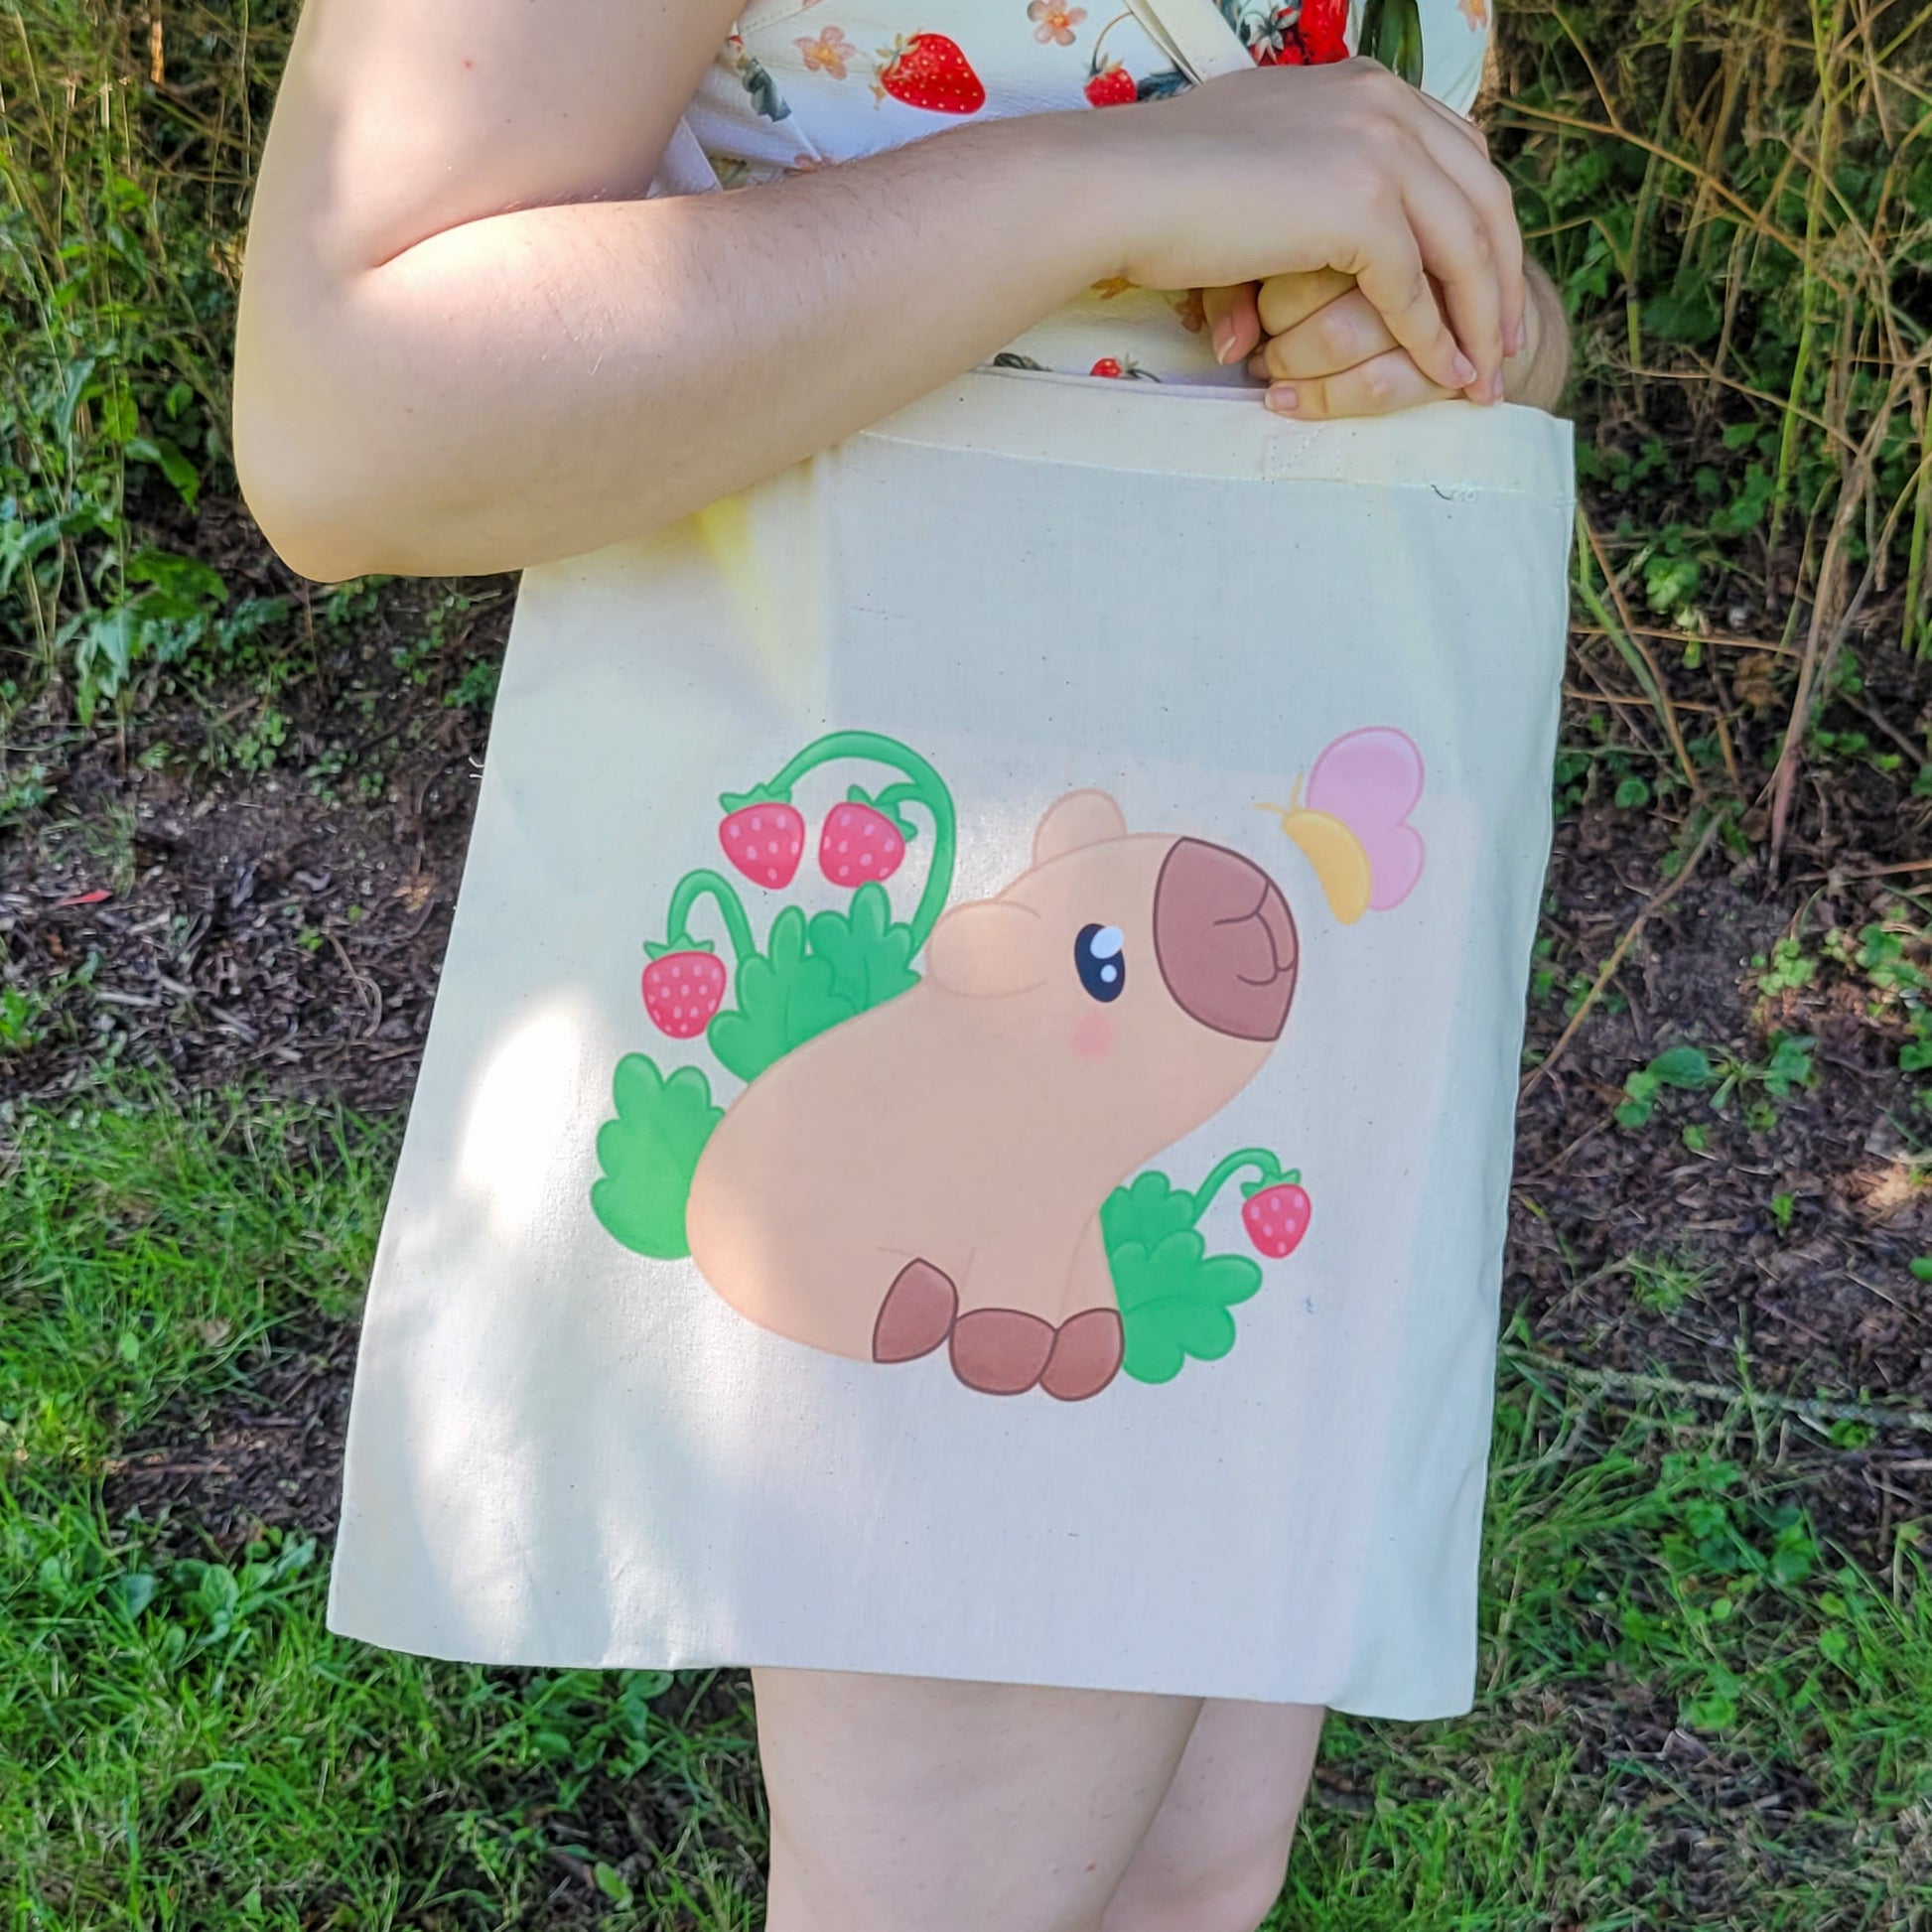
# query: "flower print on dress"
828,53
1476,13
1055,22
756,79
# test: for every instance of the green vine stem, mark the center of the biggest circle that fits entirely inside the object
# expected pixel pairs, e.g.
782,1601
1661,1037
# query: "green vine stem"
1100,37
706,884
923,786
1266,1166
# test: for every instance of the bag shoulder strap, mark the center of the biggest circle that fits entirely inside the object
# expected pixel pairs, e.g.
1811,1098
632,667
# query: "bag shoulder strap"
1196,35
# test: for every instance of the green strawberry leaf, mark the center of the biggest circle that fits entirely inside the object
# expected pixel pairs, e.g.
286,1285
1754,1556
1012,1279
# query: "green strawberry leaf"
869,952
786,996
649,1152
1162,85
758,83
1174,1300
1146,1210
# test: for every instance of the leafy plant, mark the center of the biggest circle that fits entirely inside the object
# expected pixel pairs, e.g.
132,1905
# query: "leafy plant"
1174,1297
120,210
1690,1070
1788,968
1686,1069
786,995
869,952
21,1010
649,1154
23,792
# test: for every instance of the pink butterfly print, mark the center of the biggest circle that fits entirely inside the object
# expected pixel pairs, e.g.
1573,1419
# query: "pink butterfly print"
1371,779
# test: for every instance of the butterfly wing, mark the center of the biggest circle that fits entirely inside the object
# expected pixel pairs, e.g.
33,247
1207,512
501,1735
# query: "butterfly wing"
1372,780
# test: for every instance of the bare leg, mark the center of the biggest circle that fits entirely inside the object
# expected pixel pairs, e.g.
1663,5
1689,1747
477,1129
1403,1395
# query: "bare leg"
915,1805
1214,1858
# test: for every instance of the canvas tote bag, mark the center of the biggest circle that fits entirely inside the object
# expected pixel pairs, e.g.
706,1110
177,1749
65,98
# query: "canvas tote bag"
967,1123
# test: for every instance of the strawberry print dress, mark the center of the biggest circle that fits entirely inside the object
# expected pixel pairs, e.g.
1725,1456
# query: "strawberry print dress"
966,1128
803,86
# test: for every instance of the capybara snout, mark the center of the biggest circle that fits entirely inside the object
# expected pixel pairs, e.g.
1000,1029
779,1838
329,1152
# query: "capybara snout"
1225,940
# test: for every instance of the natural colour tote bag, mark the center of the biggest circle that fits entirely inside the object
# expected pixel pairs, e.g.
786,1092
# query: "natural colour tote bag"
967,1123
968,1116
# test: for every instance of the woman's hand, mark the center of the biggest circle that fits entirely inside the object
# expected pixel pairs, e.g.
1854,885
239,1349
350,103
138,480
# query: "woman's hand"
1388,197
1324,352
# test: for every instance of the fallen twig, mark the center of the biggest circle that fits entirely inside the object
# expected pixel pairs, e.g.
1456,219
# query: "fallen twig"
1811,1408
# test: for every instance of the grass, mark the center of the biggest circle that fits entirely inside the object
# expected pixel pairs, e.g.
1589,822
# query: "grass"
194,1750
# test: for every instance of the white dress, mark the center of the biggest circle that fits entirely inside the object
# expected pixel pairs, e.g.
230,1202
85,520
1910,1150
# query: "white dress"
967,1124
801,85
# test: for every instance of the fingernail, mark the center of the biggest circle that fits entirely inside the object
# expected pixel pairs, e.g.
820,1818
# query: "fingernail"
1283,400
1518,335
1497,386
1224,340
1465,371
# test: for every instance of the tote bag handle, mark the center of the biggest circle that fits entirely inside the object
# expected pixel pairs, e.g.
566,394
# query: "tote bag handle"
1195,34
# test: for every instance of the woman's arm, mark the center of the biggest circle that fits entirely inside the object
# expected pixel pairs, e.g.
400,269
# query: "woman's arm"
467,345
1541,374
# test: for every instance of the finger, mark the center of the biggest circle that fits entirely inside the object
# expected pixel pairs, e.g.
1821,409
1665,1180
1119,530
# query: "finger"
1285,300
1233,324
1461,123
1377,387
1457,250
1385,256
1350,330
1463,153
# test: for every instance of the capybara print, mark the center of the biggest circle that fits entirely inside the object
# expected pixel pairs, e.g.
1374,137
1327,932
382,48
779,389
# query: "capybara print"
939,1139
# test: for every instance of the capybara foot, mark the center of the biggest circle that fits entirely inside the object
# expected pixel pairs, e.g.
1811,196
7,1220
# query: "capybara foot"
1087,1356
917,1315
999,1351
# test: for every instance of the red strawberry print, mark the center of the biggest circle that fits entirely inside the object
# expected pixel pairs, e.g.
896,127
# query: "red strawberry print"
1107,365
1277,1217
1309,35
1111,86
858,842
683,989
928,71
764,841
1324,31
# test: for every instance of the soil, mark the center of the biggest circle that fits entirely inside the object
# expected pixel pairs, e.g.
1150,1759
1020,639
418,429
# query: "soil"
267,1456
179,904
180,911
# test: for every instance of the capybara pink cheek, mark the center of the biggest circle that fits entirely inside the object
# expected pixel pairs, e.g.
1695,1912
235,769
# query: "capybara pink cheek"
1092,1037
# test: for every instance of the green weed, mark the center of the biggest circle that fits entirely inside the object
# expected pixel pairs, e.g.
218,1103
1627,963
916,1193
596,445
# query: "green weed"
1786,1069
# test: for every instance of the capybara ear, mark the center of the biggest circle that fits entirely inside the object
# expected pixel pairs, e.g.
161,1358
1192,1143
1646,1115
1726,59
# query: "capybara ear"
1080,818
986,948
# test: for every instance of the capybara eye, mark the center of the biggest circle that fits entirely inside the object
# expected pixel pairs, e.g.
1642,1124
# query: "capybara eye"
1100,958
